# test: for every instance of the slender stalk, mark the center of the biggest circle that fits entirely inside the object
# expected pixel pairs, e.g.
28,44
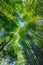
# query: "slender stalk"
4,44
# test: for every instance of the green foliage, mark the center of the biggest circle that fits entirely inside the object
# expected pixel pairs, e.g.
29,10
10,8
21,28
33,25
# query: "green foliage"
21,32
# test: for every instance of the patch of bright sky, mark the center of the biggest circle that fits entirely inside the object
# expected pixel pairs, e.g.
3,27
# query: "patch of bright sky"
40,21
1,33
21,23
13,63
24,0
20,45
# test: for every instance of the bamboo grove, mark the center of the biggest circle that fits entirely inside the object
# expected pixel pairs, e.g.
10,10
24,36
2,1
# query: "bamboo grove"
21,32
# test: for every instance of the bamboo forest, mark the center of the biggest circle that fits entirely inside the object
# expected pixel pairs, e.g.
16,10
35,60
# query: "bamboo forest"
21,32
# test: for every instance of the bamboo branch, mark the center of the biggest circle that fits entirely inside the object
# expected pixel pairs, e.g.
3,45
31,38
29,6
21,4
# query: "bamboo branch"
4,44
